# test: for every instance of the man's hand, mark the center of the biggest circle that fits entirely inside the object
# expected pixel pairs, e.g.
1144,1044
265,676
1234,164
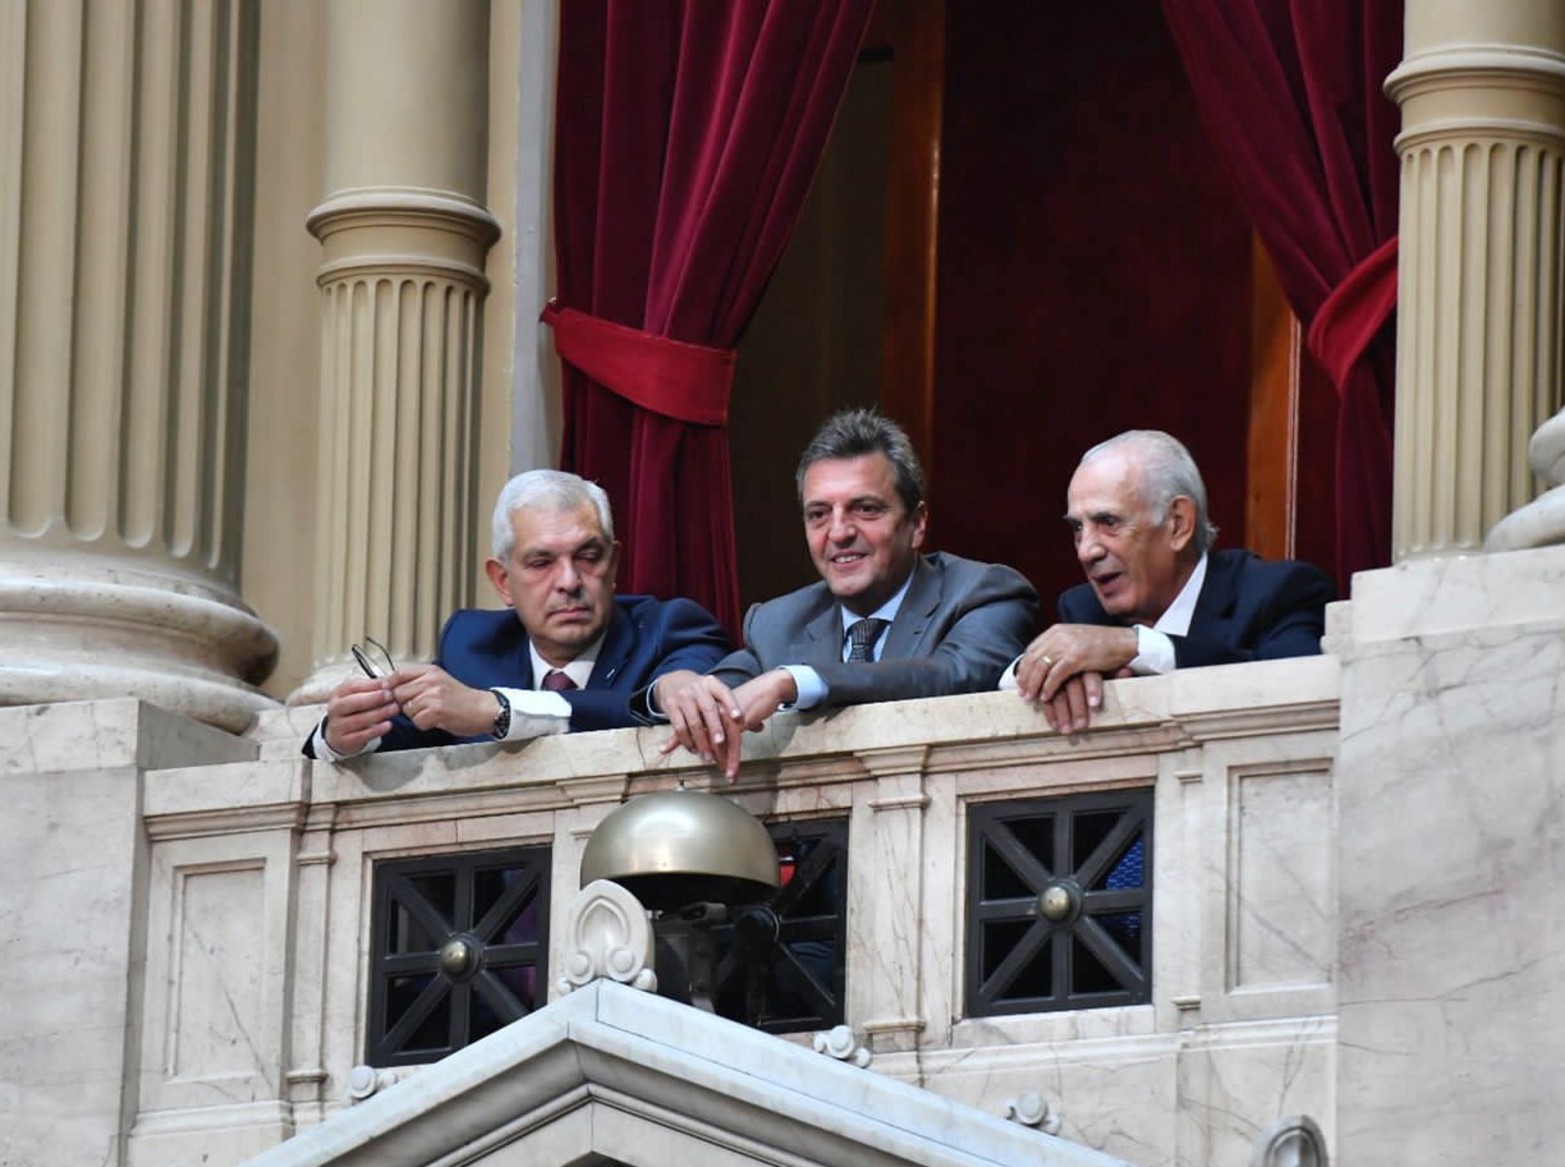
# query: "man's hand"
705,716
1063,669
434,699
358,711
760,696
708,717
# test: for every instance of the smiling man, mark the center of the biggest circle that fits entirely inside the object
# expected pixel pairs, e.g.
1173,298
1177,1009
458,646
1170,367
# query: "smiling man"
1157,597
565,653
884,623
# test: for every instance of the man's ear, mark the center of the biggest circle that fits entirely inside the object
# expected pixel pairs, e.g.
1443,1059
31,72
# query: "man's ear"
1181,522
920,524
501,581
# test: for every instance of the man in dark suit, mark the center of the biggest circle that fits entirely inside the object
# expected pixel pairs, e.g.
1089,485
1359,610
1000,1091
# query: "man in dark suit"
883,624
567,655
1157,597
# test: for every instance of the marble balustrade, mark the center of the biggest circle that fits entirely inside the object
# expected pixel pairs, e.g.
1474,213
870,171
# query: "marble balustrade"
256,866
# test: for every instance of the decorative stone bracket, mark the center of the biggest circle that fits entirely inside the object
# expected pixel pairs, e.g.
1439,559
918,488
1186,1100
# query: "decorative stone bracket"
842,1043
1031,1109
610,936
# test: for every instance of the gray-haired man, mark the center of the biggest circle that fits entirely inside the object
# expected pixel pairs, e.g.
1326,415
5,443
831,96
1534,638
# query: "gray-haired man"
565,654
1157,597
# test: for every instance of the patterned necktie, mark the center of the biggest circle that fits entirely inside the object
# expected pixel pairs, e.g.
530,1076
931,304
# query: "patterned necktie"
862,635
557,682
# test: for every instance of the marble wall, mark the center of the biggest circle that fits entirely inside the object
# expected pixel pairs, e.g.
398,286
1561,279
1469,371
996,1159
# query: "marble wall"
1352,924
1451,852
243,926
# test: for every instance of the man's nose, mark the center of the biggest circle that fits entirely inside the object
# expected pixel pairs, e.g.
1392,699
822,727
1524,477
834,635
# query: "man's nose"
842,529
1089,548
568,578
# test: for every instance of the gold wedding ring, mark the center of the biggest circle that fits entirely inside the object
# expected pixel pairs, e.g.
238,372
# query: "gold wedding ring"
1047,660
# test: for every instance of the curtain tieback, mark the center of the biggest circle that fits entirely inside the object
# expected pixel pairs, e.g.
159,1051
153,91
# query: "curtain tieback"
687,382
1354,312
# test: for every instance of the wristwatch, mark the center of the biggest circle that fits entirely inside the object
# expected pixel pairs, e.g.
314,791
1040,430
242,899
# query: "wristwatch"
502,720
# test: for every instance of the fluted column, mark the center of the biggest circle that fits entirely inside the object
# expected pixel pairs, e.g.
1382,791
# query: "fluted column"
126,164
404,235
1482,90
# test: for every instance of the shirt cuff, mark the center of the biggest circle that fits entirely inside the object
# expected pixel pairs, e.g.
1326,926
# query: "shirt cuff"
536,713
1008,678
812,690
1154,652
324,752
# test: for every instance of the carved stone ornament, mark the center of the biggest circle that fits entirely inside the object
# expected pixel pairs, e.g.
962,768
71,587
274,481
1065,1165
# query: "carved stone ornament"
1030,1109
1291,1141
842,1043
610,936
1541,523
364,1081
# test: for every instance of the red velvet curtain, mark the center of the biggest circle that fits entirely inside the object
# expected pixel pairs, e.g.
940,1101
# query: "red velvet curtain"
686,136
1290,91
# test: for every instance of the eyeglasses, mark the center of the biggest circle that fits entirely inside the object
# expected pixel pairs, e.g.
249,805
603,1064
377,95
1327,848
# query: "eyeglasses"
375,660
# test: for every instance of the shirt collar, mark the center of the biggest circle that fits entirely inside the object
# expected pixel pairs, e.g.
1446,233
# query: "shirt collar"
1175,620
578,670
887,611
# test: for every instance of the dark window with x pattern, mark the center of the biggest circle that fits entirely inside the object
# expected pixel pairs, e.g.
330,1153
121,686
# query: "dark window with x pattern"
782,967
1059,903
459,945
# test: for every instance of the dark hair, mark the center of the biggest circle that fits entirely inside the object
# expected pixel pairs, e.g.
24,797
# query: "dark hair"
855,432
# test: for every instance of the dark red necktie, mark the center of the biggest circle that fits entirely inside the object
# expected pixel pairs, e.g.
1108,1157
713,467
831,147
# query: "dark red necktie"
557,682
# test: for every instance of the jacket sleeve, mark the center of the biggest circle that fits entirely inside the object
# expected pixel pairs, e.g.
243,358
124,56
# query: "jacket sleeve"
740,665
1284,615
684,635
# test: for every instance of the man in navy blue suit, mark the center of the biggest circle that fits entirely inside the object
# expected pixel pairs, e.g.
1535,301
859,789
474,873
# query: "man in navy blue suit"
1157,597
566,655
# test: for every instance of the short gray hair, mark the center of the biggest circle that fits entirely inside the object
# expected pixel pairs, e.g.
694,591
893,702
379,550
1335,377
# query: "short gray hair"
855,432
550,490
1167,470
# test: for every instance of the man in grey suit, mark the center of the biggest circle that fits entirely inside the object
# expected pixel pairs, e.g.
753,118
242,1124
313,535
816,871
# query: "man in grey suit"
884,624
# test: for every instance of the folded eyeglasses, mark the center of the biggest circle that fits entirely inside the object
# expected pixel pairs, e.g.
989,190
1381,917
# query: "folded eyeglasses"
375,660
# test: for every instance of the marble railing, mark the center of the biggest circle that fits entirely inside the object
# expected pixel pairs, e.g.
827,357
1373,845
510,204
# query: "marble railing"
258,873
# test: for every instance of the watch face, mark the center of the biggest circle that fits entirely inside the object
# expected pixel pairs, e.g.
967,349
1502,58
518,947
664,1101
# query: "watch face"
502,720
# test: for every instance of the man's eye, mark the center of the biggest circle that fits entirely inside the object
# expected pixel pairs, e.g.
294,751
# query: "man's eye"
815,517
870,510
536,564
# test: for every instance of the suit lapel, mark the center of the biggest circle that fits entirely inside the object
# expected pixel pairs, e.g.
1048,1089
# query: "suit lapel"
617,642
820,642
1215,604
913,617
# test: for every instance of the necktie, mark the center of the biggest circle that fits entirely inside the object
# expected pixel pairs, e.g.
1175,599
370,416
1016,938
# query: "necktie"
862,635
557,682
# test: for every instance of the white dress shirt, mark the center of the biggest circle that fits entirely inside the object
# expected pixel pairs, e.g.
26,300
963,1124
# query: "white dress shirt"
535,712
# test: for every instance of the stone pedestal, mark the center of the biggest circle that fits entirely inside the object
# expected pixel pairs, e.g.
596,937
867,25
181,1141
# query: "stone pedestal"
126,164
74,857
1451,795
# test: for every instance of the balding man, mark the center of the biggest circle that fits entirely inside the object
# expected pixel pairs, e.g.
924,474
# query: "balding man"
1157,597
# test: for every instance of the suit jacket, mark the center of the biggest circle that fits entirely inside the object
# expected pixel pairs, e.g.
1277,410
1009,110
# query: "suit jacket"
645,638
1249,609
959,625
